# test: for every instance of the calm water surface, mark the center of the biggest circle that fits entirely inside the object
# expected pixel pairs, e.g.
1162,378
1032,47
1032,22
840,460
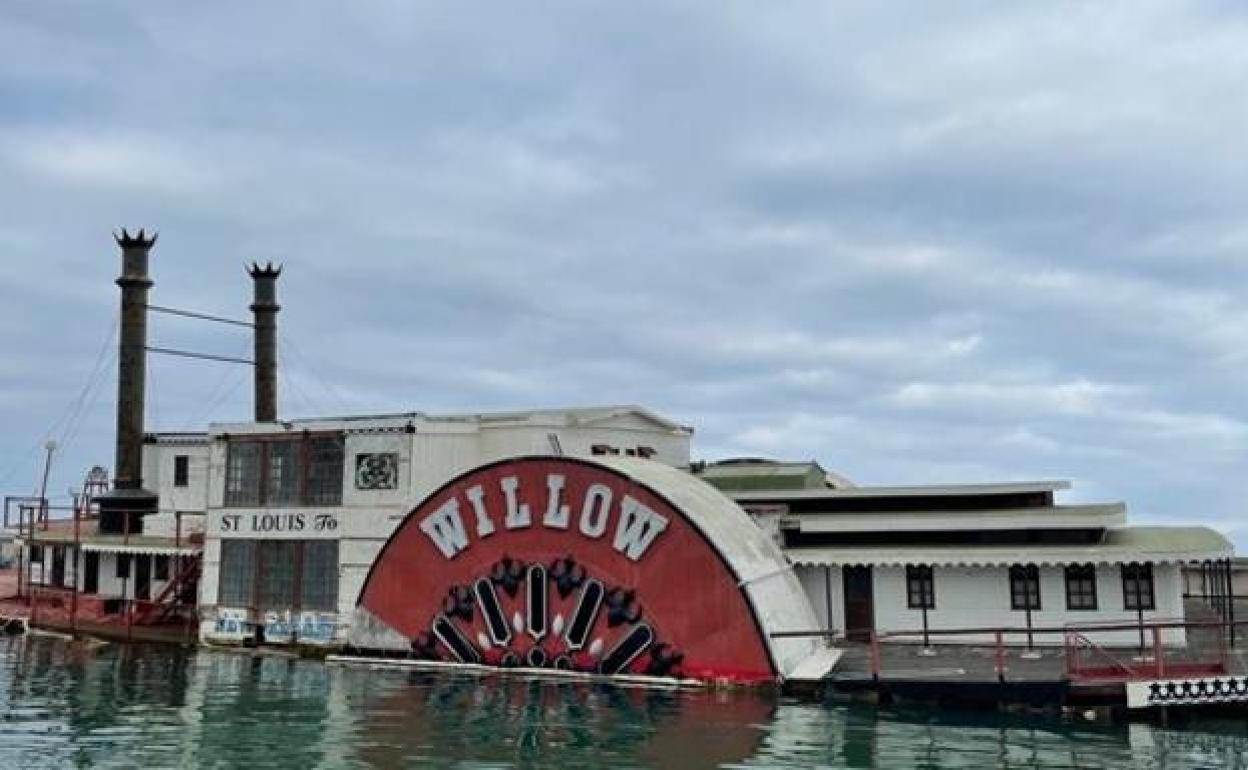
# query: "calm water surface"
70,705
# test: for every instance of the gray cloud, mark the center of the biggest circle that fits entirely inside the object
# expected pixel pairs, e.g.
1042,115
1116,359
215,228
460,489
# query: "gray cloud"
974,242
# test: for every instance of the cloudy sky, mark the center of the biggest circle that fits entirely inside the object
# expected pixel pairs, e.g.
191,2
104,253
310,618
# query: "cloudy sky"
972,241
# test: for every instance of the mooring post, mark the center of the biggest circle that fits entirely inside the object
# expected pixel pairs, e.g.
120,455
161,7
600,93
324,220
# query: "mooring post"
30,577
126,600
73,595
22,553
999,661
875,656
1230,596
1159,655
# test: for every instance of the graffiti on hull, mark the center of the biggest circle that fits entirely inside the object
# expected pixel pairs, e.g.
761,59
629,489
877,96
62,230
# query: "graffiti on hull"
277,627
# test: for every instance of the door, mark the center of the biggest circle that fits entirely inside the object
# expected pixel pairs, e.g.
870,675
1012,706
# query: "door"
90,572
859,603
143,576
58,566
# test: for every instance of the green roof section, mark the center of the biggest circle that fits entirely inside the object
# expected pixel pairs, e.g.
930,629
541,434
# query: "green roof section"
762,475
1152,538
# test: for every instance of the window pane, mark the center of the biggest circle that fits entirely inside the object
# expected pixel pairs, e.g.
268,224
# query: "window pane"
283,473
276,583
242,474
238,569
325,471
181,470
920,587
1025,587
1081,587
1137,587
320,575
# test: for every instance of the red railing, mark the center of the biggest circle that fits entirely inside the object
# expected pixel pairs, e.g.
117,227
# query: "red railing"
142,610
1083,658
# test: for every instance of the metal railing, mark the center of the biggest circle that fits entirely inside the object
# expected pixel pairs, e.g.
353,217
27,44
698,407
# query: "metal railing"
1084,659
50,592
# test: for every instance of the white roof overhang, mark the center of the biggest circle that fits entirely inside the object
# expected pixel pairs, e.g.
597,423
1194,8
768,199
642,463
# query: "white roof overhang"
1056,517
1160,545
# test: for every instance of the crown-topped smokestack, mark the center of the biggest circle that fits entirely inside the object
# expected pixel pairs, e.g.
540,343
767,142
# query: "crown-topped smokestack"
123,508
264,308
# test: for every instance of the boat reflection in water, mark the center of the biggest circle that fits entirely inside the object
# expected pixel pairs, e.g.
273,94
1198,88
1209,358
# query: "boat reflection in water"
70,704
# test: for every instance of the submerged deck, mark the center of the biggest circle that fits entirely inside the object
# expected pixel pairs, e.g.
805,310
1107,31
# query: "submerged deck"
53,616
1040,676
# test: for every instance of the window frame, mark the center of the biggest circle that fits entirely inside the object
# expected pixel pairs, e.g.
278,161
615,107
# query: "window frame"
1134,573
236,579
276,575
1083,578
920,587
1025,575
315,460
181,471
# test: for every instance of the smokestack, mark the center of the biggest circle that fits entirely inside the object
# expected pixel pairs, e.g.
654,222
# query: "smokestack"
122,509
265,308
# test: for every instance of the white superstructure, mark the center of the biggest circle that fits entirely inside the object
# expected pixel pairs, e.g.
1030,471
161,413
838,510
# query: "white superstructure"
298,511
968,556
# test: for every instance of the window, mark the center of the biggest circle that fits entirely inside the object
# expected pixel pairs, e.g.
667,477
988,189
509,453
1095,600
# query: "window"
920,588
325,472
1137,587
285,472
275,586
161,567
1080,587
91,572
283,480
36,554
320,575
242,474
1025,587
238,570
181,471
123,565
285,574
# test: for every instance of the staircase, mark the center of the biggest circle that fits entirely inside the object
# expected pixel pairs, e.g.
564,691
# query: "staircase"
180,593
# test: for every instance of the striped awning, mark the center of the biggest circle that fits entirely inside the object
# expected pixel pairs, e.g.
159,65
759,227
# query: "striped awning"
154,550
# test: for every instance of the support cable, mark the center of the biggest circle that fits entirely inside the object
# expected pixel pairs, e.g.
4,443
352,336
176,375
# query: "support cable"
305,363
202,356
96,394
223,399
220,393
70,419
288,377
66,423
199,316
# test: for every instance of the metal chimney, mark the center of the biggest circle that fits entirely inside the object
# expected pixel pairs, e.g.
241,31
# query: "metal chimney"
122,510
264,309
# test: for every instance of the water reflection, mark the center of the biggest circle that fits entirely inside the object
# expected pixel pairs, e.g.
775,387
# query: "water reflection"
123,706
